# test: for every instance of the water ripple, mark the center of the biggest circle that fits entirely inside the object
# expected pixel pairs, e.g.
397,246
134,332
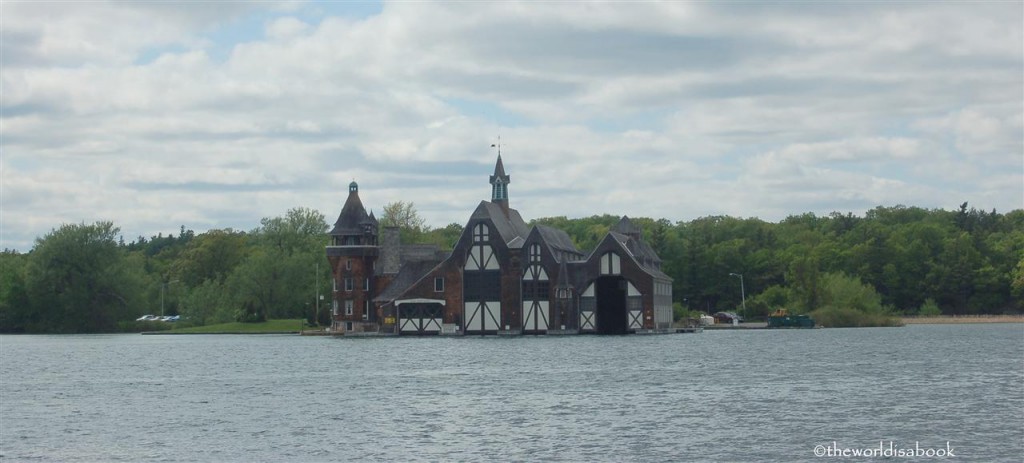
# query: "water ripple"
717,396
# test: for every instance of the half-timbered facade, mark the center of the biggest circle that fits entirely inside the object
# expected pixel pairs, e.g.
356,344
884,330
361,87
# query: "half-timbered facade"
501,277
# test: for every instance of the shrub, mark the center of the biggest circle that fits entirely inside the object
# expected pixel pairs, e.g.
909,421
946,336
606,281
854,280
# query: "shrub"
848,302
929,309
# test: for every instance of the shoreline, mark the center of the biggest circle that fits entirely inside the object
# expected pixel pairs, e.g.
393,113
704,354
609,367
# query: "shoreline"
962,319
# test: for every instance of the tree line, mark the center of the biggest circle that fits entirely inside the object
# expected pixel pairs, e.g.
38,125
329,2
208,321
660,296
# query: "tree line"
82,278
893,260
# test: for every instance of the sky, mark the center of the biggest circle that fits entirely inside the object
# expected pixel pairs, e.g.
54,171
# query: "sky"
210,115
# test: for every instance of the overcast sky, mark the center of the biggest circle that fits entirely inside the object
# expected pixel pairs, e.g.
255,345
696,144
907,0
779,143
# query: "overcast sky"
214,115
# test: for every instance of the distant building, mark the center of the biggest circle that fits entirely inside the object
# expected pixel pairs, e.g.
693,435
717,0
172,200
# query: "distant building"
502,277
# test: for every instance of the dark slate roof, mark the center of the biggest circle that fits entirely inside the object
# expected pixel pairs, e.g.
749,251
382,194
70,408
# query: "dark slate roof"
410,273
509,228
353,216
421,252
557,240
642,253
626,227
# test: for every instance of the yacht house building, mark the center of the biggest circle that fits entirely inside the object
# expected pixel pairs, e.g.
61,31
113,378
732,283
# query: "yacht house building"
503,276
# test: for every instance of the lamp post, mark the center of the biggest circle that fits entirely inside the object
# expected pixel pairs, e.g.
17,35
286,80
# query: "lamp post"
743,293
316,295
163,287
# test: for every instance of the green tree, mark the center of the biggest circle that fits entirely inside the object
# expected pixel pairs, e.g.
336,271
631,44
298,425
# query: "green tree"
445,237
272,284
1018,282
210,256
805,281
299,230
403,215
78,280
278,278
207,303
16,315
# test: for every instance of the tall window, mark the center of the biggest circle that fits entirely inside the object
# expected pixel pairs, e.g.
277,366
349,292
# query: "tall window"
348,307
348,284
366,284
366,309
481,233
481,255
611,264
334,306
439,285
534,253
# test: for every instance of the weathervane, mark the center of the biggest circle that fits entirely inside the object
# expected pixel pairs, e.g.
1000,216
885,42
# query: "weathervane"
497,145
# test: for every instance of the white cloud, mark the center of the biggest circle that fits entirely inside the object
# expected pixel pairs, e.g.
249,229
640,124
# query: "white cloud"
209,115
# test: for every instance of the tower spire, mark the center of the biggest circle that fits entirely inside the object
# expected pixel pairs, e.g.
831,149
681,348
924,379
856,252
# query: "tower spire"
499,183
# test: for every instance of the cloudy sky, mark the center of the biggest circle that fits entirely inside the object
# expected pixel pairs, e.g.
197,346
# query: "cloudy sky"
216,114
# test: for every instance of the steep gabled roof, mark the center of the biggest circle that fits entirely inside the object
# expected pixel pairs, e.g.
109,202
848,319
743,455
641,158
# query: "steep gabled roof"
626,227
557,240
630,234
639,251
509,228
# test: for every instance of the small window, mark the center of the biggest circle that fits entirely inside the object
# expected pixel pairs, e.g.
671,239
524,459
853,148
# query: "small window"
439,284
348,264
348,326
348,307
348,284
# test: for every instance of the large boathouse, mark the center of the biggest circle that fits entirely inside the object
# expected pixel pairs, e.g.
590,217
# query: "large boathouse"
502,277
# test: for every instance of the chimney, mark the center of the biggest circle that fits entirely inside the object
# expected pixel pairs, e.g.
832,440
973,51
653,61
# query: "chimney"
391,251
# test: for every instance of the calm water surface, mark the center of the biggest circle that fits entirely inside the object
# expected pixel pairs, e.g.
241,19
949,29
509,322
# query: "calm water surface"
717,396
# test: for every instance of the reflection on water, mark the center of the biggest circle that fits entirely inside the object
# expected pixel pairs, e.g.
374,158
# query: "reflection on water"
724,395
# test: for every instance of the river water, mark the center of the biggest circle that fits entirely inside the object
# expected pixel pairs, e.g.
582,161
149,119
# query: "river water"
754,395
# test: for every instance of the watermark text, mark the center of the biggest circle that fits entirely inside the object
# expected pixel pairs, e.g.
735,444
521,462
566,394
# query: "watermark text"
884,449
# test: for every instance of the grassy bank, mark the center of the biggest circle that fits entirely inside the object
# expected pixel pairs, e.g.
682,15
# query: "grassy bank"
953,319
269,326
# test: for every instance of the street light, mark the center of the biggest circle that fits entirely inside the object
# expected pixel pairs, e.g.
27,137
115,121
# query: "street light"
743,293
163,287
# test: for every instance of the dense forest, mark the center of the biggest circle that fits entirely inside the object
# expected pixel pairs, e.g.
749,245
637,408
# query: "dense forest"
82,278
